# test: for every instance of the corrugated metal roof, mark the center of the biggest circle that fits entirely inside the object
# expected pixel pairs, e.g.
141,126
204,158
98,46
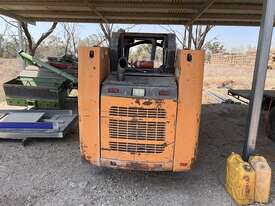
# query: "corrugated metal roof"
218,12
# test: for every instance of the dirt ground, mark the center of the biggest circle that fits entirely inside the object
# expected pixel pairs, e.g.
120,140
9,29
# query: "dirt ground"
50,172
9,69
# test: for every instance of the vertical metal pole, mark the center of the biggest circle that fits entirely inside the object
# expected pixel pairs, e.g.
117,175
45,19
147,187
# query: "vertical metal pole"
259,76
21,45
184,38
190,36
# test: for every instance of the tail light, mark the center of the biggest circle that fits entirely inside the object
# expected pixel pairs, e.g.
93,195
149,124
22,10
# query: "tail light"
113,90
164,93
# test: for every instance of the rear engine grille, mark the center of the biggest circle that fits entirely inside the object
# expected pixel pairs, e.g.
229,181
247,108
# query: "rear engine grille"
137,130
137,148
137,112
150,127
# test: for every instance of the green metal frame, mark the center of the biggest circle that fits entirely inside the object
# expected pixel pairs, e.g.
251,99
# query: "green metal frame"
38,62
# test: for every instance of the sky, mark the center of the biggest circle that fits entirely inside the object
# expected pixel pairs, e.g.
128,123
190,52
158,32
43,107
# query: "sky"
233,37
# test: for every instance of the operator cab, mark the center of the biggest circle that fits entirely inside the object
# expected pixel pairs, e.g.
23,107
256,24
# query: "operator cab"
142,65
146,54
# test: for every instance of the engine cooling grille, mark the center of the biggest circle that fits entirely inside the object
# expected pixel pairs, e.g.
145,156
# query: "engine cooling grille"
137,148
137,130
137,112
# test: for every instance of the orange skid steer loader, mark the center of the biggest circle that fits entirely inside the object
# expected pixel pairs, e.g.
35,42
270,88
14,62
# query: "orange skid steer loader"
140,112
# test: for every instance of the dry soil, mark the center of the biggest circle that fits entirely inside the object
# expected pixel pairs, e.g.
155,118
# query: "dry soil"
50,172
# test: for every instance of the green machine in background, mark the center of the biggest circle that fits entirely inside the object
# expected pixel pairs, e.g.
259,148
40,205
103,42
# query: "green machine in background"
40,86
39,63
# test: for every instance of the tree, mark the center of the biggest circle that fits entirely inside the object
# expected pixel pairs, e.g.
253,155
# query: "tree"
214,47
180,37
8,38
10,48
143,52
71,37
52,46
32,46
1,44
2,39
108,29
140,52
198,36
91,40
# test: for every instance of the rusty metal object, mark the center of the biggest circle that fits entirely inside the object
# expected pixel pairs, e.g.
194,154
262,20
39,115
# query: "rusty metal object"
155,129
93,68
190,84
144,64
134,165
144,147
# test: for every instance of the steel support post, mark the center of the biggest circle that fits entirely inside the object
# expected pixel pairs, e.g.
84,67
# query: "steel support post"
259,76
190,30
21,45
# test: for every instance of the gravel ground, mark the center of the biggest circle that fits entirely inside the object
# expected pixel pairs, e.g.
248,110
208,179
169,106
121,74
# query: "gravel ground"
50,172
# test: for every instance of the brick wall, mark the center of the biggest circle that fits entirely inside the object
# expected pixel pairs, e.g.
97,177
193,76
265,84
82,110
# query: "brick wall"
247,59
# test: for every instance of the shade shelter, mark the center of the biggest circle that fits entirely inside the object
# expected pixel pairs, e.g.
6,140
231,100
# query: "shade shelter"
180,12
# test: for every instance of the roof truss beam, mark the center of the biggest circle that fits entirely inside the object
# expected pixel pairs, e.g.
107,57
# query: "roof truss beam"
14,16
138,11
91,5
203,9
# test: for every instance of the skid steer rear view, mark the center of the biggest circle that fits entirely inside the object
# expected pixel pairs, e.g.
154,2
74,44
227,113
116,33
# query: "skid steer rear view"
140,114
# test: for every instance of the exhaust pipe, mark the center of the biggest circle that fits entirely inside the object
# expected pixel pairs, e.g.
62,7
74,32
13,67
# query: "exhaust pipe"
121,68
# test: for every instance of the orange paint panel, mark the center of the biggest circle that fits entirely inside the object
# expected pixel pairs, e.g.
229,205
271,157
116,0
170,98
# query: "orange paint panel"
190,82
165,157
93,67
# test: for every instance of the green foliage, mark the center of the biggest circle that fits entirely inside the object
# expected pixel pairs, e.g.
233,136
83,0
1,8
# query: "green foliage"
213,47
143,52
52,46
7,47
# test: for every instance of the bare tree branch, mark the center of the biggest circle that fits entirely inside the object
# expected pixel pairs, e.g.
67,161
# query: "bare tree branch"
181,39
27,34
8,22
107,30
45,35
33,46
199,37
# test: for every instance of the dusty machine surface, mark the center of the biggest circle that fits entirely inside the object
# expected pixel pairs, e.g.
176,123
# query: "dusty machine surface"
140,112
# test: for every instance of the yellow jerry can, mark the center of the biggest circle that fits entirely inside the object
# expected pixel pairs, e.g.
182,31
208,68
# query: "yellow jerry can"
263,178
240,180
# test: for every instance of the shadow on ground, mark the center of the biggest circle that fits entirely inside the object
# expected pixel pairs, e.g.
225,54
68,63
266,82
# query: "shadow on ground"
50,172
